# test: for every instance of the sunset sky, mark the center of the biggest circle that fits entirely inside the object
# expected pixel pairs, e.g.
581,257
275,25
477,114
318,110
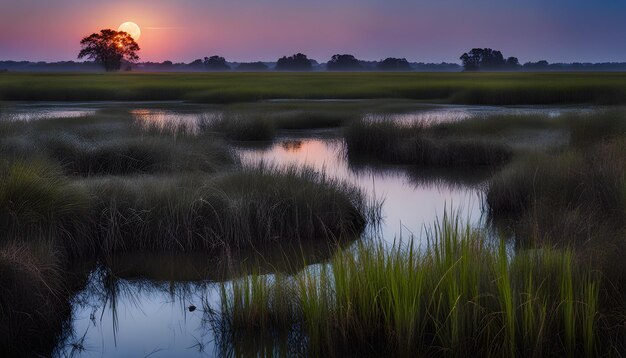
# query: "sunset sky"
244,30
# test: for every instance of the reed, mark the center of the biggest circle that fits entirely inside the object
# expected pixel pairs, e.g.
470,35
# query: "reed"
392,142
462,296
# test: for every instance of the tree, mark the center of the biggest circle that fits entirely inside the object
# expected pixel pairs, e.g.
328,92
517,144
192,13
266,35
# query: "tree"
216,63
343,63
492,60
196,64
394,64
109,48
471,60
483,59
512,63
297,62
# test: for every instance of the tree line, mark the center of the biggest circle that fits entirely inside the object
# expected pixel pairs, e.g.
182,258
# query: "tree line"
486,59
115,50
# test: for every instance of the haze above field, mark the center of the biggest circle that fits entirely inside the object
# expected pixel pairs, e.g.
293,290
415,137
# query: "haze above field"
247,30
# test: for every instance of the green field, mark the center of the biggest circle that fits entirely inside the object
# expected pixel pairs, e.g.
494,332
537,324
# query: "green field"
469,88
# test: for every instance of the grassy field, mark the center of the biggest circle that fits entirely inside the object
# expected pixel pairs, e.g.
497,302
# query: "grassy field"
470,88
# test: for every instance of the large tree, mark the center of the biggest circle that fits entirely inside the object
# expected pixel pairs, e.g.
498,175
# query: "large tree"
483,59
297,62
343,63
109,48
394,64
216,63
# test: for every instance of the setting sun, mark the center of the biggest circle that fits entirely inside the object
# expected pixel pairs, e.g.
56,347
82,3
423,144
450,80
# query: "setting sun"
132,29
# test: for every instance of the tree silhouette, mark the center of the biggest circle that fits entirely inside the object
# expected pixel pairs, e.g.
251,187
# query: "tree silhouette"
483,59
394,64
343,63
297,62
197,64
512,63
109,48
216,63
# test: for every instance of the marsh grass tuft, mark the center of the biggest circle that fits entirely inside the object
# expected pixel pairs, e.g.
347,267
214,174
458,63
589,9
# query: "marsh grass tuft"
416,144
462,296
36,201
33,300
257,206
112,143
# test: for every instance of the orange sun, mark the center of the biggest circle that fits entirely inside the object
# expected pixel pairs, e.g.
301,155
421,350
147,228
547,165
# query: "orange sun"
132,29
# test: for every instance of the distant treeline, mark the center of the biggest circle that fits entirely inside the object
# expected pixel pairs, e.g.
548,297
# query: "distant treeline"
217,63
486,59
477,59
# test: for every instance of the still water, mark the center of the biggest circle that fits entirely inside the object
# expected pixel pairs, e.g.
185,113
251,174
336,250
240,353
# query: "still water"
161,306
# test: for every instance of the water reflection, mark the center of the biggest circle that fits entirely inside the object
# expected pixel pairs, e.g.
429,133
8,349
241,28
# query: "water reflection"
412,198
177,115
117,317
452,113
424,116
162,304
174,121
139,305
34,114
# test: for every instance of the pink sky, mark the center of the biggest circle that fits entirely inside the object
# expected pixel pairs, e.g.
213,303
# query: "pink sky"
244,30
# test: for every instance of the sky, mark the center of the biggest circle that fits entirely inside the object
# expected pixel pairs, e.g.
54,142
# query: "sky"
247,30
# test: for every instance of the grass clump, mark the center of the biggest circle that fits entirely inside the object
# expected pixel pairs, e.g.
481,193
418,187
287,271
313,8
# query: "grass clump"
139,155
573,199
589,129
243,127
569,197
254,207
460,297
33,300
37,201
416,144
113,143
243,124
496,125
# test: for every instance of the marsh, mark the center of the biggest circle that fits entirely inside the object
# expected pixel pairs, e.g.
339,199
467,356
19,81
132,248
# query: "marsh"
156,207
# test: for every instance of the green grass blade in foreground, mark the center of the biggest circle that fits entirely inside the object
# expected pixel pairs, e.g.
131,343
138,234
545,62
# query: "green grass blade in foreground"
460,297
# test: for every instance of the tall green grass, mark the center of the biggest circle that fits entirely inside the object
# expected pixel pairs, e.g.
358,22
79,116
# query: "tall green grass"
473,88
255,207
461,296
261,205
38,202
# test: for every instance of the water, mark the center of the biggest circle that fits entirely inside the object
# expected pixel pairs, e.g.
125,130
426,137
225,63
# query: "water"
175,112
141,317
411,199
150,314
139,306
